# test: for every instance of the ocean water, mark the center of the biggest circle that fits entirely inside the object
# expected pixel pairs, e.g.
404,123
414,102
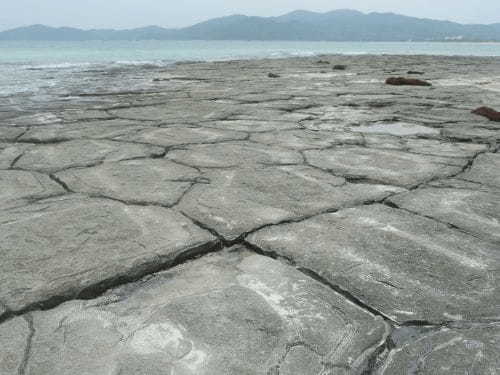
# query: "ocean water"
38,67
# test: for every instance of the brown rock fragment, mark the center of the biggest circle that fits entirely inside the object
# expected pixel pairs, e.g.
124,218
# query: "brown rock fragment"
487,112
401,81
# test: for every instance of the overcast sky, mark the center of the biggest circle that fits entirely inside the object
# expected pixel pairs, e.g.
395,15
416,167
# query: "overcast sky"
177,13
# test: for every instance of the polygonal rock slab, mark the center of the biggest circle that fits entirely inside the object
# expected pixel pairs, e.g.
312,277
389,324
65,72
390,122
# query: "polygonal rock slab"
449,352
234,154
471,133
60,246
408,267
383,166
224,314
306,139
14,336
241,200
180,135
331,118
474,211
87,129
153,181
179,110
9,153
395,128
445,149
485,170
9,133
21,187
253,126
81,153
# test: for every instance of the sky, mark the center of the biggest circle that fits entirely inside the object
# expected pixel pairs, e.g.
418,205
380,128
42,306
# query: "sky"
177,13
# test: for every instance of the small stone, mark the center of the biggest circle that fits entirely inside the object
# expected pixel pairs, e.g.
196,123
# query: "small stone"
400,81
415,72
273,75
325,62
339,67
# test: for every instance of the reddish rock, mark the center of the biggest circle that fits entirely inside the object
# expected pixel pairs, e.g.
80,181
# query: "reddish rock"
488,112
400,81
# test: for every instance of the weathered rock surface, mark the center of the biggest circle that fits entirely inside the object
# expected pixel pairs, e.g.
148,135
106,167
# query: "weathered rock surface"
473,211
370,214
242,200
22,187
181,135
449,351
408,267
9,153
157,181
234,154
62,246
485,170
231,313
382,166
81,153
14,341
88,129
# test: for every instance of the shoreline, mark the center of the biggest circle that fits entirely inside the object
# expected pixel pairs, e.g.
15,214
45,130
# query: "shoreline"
267,216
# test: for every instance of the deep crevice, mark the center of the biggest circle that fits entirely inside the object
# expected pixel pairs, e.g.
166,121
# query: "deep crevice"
159,264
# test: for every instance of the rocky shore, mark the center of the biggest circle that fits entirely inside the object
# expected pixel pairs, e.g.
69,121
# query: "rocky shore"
274,217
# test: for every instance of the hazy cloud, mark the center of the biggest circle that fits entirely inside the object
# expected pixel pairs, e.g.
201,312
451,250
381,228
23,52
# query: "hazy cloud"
168,13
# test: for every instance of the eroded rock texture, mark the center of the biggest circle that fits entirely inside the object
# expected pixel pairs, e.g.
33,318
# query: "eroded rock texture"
205,218
231,313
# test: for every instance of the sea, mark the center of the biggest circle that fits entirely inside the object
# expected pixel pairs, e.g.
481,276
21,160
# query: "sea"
40,68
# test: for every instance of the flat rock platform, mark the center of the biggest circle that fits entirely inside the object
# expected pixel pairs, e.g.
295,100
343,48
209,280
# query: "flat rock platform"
260,217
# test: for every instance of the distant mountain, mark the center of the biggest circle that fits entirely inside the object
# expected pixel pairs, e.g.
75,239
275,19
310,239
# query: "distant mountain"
338,25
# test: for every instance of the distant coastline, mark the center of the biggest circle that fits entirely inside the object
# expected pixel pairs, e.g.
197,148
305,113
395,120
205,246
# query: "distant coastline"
335,26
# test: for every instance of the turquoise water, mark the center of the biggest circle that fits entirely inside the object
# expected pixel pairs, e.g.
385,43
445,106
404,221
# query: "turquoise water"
40,67
168,51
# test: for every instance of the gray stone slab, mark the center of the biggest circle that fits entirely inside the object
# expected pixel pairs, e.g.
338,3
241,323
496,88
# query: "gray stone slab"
444,149
9,133
224,314
181,135
448,352
473,211
13,343
407,267
254,126
338,117
179,110
148,181
238,201
383,166
471,134
9,152
81,153
60,246
485,170
37,119
234,154
306,139
395,128
21,187
87,129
